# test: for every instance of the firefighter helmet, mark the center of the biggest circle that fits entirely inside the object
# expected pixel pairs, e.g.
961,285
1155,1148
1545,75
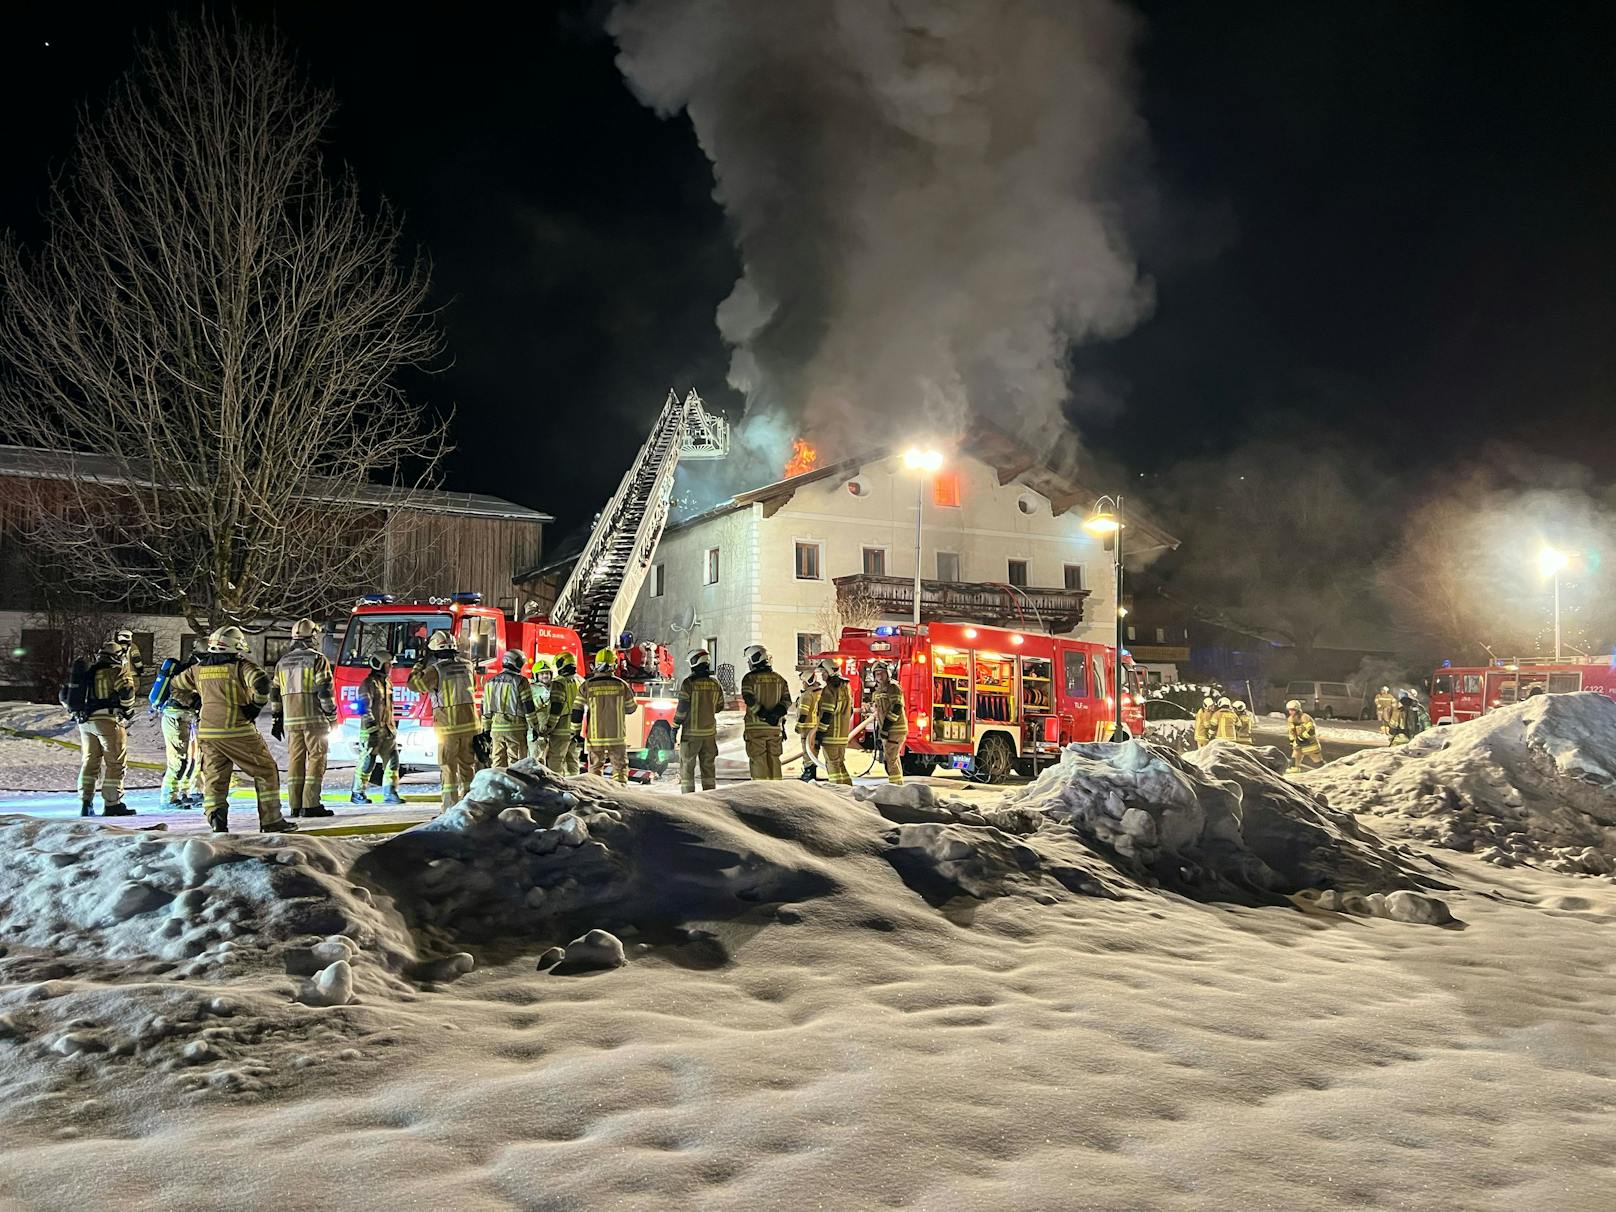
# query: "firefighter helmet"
1293,705
827,666
881,667
1409,694
1208,702
379,663
699,657
440,641
1240,704
606,658
756,654
514,660
304,629
542,664
227,639
124,636
565,662
1385,690
111,647
1224,703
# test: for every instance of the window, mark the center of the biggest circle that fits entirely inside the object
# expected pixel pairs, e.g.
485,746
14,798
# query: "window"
1564,683
712,567
809,645
1077,681
1099,674
658,585
711,645
947,566
1073,576
945,490
1161,635
807,561
402,637
1132,632
1018,573
1442,684
484,634
1472,683
1334,690
875,562
1300,690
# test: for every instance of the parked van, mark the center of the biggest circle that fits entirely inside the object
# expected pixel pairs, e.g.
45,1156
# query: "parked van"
1331,700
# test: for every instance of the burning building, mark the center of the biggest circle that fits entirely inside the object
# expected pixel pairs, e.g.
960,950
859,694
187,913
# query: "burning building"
832,544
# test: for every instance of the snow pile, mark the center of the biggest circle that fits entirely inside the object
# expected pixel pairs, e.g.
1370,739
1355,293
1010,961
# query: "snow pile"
1535,782
1220,822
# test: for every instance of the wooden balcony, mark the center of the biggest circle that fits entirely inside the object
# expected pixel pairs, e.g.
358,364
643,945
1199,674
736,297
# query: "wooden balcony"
997,605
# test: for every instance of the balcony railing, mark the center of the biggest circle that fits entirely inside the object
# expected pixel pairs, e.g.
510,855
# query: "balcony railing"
1045,609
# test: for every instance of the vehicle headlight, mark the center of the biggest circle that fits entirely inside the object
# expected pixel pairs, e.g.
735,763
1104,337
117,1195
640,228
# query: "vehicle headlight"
664,704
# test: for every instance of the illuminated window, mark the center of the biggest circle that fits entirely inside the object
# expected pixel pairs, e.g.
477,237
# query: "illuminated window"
945,490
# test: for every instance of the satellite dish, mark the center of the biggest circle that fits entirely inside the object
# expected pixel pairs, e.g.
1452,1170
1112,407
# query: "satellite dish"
688,625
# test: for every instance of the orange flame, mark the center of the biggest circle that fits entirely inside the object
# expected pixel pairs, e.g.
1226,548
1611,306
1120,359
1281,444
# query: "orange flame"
803,457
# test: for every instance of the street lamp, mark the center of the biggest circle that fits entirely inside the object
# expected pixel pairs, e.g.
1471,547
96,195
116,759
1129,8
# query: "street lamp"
1106,522
923,463
1549,563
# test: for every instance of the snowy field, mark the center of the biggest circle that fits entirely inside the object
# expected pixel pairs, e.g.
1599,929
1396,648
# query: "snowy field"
1144,981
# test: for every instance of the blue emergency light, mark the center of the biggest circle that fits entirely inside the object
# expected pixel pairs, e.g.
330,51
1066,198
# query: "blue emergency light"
886,630
1447,664
376,599
467,599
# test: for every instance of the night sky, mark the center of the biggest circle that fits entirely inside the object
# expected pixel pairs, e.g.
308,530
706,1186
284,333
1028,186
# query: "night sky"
1391,223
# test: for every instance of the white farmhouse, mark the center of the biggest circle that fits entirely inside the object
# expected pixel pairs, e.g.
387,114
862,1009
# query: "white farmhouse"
1002,541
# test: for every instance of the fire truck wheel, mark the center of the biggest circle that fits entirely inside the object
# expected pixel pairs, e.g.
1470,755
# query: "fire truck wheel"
658,747
995,757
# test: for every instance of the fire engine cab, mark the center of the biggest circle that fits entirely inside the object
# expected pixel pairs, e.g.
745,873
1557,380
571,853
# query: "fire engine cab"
988,700
380,626
1460,694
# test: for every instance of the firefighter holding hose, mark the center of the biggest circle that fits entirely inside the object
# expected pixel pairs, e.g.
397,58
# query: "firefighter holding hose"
835,722
890,720
808,723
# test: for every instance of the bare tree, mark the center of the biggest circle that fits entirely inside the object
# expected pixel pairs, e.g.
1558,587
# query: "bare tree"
206,343
853,606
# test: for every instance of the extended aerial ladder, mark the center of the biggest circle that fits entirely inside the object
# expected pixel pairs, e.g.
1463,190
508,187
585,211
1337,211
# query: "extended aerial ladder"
598,596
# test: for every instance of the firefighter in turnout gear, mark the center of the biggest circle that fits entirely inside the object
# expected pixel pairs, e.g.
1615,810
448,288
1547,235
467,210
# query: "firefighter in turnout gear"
232,690
1225,722
378,733
1385,702
695,721
890,719
604,703
182,773
130,652
303,707
561,734
767,696
808,723
107,702
510,716
449,681
835,722
1203,721
543,674
1304,734
1242,724
1407,719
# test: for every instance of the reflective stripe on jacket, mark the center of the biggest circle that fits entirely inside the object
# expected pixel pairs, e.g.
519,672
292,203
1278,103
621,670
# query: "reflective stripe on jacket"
112,688
768,698
447,681
375,705
564,689
232,689
508,705
836,711
700,697
808,710
606,699
1305,735
1225,724
890,715
301,694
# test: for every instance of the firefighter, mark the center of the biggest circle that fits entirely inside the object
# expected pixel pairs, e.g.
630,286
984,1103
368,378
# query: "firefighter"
510,716
695,722
1407,719
1242,724
561,735
129,651
767,697
378,733
102,710
604,702
835,721
1203,721
182,775
808,723
302,708
542,674
1225,723
1385,701
449,681
233,690
890,719
1304,734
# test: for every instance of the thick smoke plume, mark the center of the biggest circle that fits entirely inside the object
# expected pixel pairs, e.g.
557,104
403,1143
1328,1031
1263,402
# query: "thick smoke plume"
925,193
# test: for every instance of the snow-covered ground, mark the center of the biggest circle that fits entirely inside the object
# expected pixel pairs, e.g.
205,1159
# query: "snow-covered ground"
1118,987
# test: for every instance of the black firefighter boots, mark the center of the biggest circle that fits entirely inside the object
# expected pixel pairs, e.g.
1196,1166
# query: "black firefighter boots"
118,809
316,810
278,825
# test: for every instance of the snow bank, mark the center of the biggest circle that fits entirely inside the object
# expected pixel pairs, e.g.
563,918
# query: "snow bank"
1535,782
1218,822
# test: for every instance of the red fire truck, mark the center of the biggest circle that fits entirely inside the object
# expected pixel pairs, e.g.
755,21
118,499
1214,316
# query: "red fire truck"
1460,694
380,626
989,700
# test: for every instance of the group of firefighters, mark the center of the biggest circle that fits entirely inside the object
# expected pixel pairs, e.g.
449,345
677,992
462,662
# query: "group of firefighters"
1401,719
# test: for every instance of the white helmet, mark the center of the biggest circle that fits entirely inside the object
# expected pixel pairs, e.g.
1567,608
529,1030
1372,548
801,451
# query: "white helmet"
227,639
1223,702
1411,693
1240,704
1385,690
439,641
1294,705
881,667
304,629
1207,702
756,654
699,656
827,666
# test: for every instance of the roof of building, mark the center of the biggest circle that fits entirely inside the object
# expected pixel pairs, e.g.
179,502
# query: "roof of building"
29,462
1010,458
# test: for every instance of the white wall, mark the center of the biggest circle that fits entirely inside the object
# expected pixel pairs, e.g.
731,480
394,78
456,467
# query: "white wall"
759,598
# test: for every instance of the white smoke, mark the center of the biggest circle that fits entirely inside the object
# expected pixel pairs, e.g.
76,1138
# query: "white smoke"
925,194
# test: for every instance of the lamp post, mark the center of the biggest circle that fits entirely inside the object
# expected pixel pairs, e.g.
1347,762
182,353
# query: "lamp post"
923,463
1549,563
1106,522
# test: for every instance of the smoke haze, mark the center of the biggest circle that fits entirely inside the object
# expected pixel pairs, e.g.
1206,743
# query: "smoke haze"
925,195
